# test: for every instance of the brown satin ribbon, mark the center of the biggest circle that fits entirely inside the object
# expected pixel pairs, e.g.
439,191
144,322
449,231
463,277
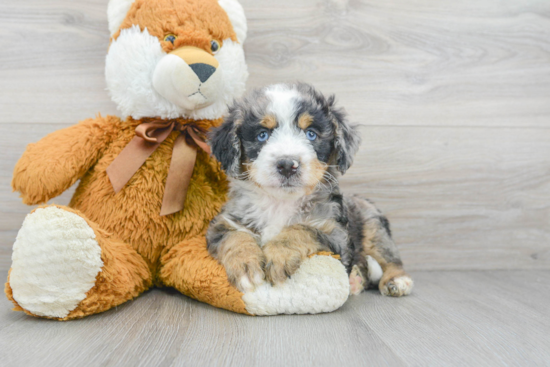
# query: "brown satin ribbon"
149,136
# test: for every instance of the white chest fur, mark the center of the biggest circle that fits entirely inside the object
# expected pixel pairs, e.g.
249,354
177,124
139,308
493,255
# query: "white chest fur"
277,215
269,214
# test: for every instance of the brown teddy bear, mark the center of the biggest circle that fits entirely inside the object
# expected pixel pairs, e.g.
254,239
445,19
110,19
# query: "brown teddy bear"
148,186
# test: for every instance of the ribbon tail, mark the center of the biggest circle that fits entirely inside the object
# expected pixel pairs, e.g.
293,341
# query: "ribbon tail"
126,164
179,176
201,143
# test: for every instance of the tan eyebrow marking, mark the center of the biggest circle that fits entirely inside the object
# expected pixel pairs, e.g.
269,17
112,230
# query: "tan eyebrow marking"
305,120
269,122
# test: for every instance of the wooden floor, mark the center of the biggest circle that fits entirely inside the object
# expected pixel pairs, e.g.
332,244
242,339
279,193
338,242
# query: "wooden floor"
454,99
458,318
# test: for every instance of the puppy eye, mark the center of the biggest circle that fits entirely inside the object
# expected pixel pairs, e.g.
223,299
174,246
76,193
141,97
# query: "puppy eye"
214,46
311,135
263,136
170,38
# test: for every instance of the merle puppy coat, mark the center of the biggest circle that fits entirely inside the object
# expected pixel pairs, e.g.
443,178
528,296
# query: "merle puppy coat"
283,148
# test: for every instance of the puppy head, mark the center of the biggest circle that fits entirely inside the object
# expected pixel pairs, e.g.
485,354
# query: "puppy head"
285,137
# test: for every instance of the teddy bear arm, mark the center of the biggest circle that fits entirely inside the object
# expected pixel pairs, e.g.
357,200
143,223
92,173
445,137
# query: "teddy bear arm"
321,283
56,162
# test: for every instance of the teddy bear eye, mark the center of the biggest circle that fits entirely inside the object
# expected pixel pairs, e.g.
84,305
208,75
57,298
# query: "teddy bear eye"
170,38
214,46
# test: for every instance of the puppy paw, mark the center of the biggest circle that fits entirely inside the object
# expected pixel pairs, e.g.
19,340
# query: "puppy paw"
281,263
356,281
245,272
397,286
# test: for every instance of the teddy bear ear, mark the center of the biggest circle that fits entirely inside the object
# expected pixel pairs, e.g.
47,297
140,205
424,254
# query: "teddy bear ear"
236,15
116,12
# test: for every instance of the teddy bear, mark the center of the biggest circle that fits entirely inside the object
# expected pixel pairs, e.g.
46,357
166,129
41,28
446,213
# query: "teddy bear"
148,184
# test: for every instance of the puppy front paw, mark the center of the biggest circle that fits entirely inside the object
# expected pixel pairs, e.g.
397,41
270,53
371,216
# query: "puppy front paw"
281,262
357,281
245,271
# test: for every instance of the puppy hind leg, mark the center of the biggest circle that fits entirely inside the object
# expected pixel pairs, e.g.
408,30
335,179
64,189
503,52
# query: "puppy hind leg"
395,282
381,254
389,274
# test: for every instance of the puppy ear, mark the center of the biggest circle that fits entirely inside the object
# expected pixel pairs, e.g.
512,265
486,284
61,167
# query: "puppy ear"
347,139
226,145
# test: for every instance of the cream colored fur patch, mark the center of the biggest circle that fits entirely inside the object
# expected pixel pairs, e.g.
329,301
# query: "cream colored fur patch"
56,260
116,12
320,285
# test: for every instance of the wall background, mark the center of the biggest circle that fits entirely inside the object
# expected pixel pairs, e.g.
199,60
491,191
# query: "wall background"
455,105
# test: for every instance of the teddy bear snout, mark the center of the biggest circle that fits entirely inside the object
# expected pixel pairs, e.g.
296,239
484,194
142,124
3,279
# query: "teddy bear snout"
201,62
189,77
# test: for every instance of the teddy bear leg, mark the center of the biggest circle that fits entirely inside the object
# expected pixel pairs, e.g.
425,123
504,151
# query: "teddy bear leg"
190,269
64,266
319,285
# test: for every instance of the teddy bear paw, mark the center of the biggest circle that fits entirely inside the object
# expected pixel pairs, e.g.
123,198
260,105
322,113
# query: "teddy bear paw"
319,285
55,262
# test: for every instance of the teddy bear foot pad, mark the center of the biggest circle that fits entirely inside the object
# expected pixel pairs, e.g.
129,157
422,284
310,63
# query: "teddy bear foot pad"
56,260
320,285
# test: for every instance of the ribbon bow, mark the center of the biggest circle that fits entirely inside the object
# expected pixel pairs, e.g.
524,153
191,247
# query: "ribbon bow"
149,136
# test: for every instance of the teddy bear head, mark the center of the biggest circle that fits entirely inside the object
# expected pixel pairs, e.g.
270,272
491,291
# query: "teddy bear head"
175,58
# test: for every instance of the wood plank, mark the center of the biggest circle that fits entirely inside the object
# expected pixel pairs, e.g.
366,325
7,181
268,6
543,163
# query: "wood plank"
411,62
392,63
451,319
454,320
460,198
457,198
51,67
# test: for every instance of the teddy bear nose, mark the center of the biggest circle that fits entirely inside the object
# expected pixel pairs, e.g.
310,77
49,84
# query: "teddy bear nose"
203,71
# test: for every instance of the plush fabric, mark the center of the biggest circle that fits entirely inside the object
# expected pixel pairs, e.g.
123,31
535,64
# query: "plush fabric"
194,22
122,276
319,278
132,217
106,248
116,13
56,259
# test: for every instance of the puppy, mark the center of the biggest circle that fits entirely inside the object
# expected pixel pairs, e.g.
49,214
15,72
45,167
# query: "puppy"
283,148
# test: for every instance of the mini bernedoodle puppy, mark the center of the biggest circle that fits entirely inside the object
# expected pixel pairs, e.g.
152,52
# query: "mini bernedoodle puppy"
283,148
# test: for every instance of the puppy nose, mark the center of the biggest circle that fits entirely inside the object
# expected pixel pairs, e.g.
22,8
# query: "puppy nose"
203,71
287,167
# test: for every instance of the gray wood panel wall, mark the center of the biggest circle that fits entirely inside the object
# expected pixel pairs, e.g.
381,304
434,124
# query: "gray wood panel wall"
454,98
